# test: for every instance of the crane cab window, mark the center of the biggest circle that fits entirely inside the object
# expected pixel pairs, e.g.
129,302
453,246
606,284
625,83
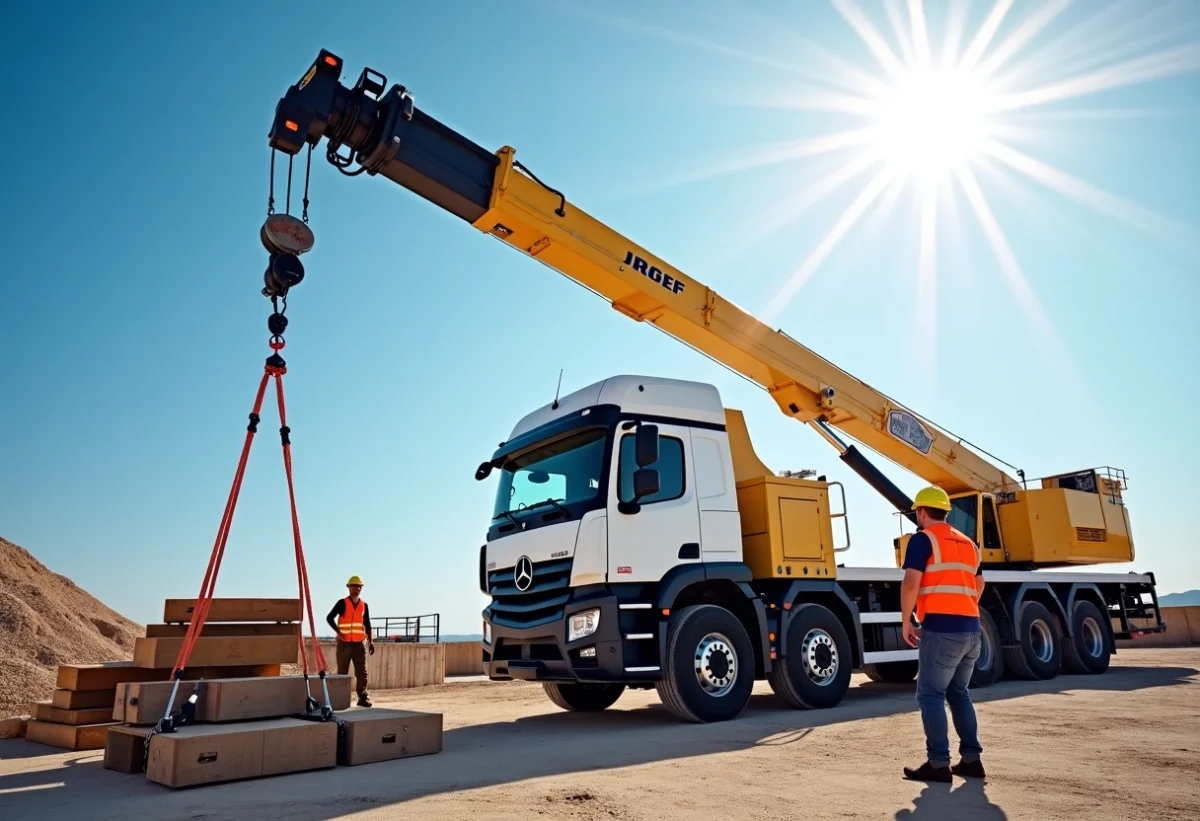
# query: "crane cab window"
991,531
964,515
669,467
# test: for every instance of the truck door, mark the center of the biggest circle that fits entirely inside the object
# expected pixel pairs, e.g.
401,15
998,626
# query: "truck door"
665,532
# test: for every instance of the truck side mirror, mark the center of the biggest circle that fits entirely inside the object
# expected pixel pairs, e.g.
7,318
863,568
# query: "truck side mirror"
483,471
645,483
646,450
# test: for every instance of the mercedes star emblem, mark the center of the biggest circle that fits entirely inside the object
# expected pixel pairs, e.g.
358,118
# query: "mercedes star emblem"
523,573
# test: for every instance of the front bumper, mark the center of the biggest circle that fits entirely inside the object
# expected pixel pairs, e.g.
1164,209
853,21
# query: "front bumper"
542,653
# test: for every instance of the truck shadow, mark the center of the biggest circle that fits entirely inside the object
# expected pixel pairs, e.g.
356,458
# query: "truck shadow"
505,752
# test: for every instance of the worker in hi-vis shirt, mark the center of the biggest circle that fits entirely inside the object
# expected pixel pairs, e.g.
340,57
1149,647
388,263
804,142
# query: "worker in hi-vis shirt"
943,581
351,620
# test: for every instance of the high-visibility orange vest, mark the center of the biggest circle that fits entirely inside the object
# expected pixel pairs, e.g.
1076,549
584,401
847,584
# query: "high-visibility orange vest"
948,582
350,623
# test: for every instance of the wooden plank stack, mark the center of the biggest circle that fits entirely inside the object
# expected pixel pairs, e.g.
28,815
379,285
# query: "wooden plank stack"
241,638
249,721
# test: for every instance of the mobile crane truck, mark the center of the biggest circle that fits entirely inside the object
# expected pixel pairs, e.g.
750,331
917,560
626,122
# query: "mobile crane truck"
638,541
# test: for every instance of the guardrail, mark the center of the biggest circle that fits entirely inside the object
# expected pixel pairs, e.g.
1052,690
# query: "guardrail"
426,628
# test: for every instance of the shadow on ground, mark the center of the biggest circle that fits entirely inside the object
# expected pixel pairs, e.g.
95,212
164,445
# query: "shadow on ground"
941,802
505,752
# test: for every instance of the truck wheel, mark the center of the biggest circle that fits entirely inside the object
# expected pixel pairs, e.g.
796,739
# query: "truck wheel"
708,673
583,698
815,673
1039,655
1086,652
892,672
989,667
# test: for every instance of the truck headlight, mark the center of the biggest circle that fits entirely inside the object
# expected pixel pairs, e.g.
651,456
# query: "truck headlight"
487,632
583,624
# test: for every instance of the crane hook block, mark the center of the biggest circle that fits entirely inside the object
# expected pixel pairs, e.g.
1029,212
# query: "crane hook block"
284,271
285,234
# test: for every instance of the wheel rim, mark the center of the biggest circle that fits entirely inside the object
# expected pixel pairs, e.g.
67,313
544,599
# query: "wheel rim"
716,664
820,656
984,662
1041,641
1093,638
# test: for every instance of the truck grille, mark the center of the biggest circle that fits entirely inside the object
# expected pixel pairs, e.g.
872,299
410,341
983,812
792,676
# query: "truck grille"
542,603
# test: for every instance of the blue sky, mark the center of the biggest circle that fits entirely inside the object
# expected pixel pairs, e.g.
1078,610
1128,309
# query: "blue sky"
133,330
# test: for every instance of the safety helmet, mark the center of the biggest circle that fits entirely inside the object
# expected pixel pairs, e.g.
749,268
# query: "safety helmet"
354,580
932,497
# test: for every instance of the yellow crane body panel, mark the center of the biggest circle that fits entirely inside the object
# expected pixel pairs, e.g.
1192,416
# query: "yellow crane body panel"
1058,527
787,527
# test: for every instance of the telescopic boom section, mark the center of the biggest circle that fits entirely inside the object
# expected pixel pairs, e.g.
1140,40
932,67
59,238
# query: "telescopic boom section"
389,136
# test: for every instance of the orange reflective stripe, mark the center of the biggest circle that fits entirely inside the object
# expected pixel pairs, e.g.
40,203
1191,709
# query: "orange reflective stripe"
965,568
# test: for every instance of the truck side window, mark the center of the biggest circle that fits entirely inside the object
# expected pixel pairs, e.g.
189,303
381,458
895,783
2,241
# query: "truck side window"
669,467
991,533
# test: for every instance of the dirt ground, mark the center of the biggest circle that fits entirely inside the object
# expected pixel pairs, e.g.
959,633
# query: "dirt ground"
1126,744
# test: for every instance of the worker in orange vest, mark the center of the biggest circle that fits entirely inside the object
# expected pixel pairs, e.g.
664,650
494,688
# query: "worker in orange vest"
943,581
351,620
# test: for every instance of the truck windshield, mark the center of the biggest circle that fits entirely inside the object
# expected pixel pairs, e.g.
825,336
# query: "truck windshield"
565,470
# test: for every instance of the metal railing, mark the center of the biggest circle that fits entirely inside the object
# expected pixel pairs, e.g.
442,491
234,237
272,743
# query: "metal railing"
408,628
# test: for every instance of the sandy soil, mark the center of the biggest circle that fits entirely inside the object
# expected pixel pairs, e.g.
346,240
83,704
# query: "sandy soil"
1122,745
47,620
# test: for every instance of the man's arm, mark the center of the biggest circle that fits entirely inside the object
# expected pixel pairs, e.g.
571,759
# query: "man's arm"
367,623
331,619
909,589
916,557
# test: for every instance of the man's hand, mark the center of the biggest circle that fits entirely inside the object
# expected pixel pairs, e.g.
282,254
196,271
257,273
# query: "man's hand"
371,647
911,634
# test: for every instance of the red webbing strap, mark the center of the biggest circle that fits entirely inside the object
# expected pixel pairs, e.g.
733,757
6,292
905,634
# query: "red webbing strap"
301,567
204,600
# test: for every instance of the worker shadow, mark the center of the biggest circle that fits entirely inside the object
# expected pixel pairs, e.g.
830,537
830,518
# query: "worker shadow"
520,748
949,802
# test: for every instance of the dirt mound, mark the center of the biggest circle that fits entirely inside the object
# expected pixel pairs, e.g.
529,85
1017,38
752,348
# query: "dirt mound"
46,620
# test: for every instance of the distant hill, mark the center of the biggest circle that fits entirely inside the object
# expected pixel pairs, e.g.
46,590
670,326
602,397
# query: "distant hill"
1190,598
47,620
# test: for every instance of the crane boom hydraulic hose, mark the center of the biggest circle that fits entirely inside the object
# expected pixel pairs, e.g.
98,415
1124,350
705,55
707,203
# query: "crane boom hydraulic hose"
385,134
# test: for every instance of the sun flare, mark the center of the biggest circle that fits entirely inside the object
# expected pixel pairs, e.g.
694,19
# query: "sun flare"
931,121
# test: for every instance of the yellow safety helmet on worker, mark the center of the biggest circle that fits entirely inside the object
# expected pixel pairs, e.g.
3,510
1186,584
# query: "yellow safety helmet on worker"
933,497
355,581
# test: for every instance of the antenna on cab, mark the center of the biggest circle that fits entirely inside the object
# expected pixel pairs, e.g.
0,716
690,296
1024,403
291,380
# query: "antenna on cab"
554,405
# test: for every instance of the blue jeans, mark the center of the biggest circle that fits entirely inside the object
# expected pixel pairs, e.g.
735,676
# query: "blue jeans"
946,661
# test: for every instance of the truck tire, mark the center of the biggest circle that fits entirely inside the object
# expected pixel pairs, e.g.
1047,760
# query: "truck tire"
708,673
1038,655
583,698
989,667
815,672
892,672
1087,651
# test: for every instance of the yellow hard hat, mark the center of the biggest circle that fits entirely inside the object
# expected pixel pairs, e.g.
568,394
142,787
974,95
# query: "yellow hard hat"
354,580
932,497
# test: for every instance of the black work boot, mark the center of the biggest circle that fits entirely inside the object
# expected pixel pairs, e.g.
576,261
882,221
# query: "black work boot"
968,769
363,701
928,772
